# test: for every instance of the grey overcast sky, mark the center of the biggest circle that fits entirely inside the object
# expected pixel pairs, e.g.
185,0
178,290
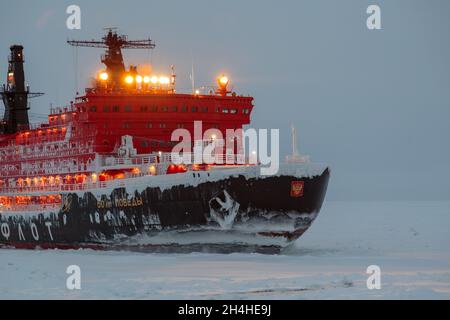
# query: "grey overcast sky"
375,105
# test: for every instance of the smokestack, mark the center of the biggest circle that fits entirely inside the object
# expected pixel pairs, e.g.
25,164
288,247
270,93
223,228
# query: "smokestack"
15,95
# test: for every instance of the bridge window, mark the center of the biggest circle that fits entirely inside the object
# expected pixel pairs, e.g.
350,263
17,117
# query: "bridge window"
149,125
106,109
128,109
204,109
126,125
164,109
194,109
93,109
116,108
233,111
183,108
245,111
174,109
144,143
154,109
224,110
162,125
180,125
144,108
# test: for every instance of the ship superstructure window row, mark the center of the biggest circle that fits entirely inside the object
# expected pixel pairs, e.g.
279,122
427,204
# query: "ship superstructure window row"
167,109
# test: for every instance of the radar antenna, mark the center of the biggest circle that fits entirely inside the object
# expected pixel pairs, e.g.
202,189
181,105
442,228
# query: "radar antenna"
114,44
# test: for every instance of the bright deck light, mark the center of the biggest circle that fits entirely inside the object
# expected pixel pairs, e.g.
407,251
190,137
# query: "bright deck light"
129,79
164,80
223,81
154,79
103,76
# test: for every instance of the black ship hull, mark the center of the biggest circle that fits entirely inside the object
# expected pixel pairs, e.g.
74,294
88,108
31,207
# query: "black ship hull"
233,208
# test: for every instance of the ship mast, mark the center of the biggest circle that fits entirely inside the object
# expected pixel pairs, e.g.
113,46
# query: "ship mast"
113,59
295,157
294,142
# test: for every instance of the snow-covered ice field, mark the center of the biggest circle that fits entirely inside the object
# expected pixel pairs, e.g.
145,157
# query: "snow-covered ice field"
409,241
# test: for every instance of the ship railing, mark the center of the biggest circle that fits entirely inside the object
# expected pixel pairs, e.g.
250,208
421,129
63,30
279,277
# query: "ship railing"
111,161
35,126
63,109
45,151
84,186
30,189
59,154
164,161
30,207
230,158
41,125
218,158
190,158
46,170
56,188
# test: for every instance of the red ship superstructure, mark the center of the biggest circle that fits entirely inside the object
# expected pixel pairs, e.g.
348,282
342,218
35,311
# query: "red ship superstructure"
126,115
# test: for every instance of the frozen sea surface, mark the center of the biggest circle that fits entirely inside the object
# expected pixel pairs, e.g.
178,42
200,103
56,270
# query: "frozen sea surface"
409,241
